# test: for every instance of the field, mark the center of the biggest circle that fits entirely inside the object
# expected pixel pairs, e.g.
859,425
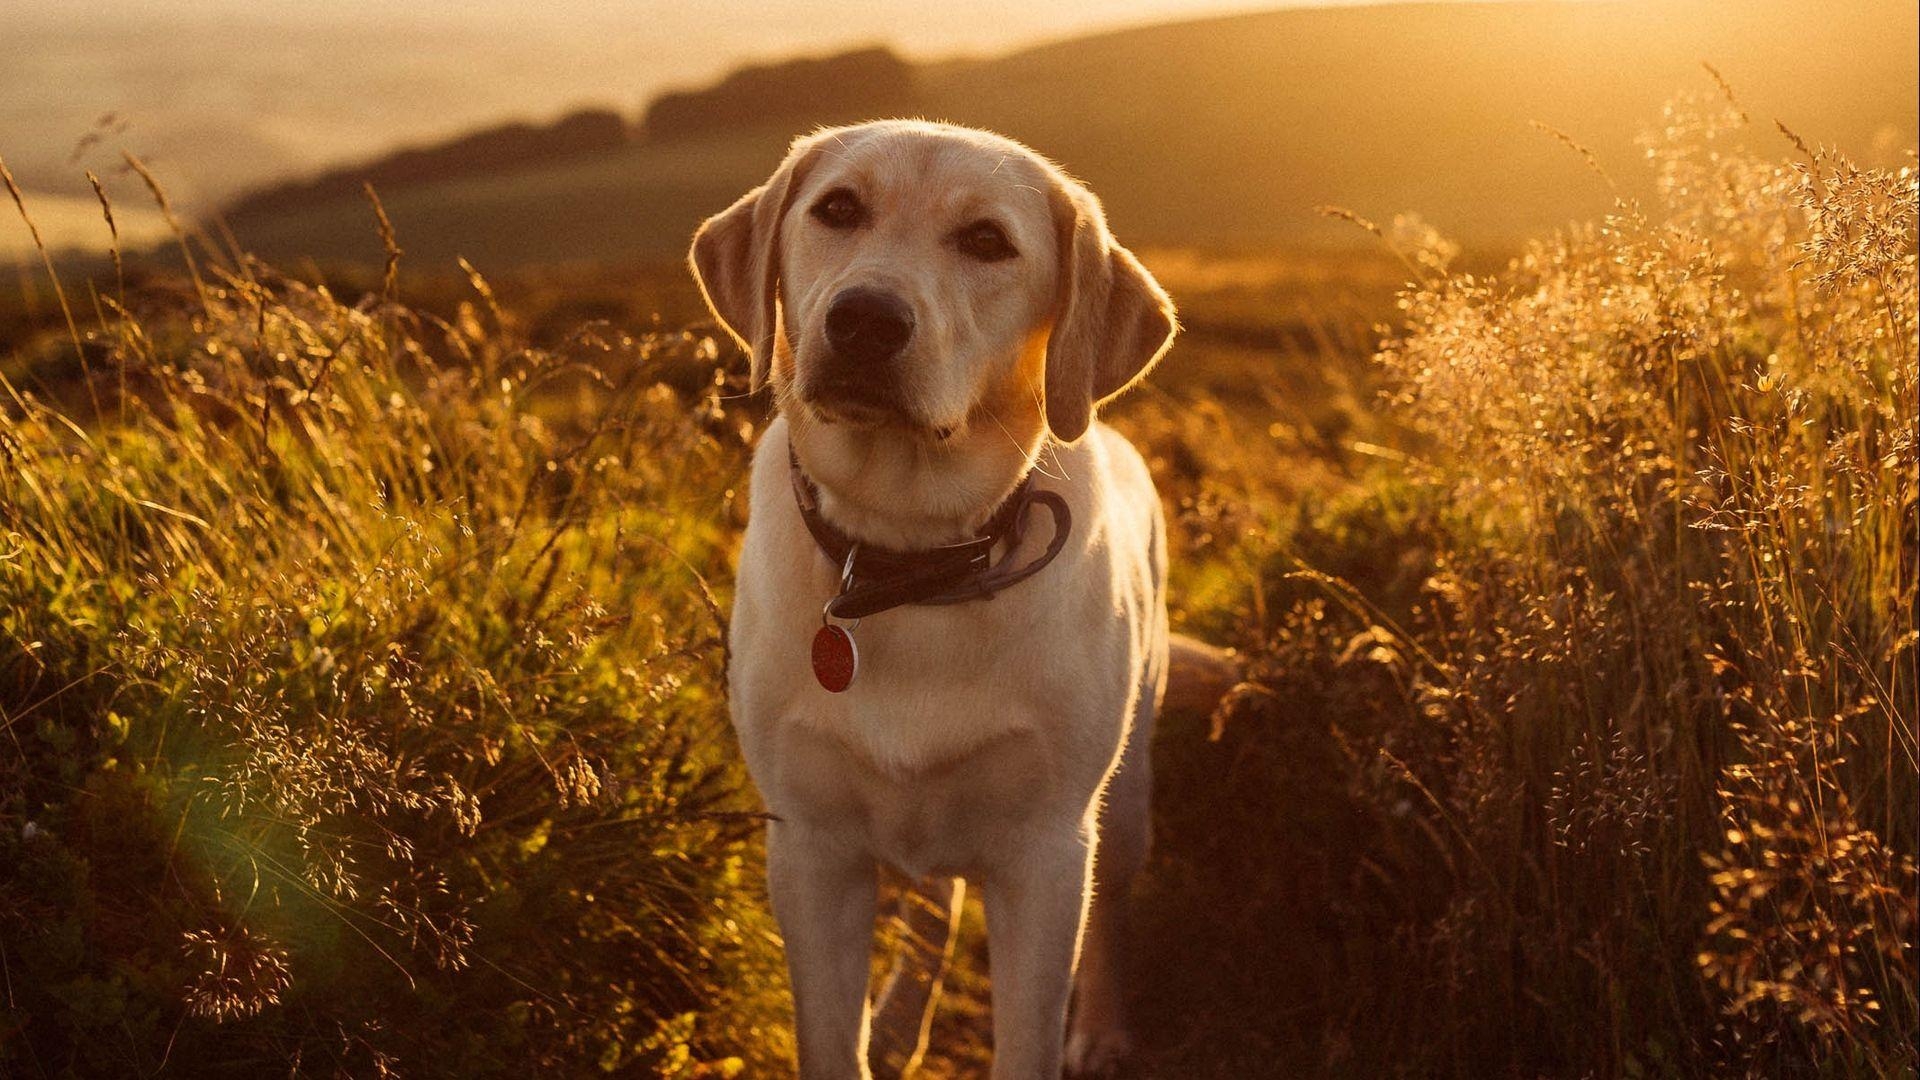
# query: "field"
361,644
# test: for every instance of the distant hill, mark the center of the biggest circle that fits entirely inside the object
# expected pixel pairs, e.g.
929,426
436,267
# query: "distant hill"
488,151
804,92
1222,132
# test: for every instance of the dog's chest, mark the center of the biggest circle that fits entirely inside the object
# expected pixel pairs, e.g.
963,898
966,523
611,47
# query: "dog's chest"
933,685
952,818
962,724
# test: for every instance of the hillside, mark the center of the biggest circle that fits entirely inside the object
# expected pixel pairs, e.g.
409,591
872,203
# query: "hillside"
1224,132
809,90
500,149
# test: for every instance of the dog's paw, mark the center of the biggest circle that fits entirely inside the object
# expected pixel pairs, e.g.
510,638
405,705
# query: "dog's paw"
1097,1051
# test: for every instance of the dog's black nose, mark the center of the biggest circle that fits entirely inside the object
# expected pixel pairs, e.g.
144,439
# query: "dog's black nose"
868,326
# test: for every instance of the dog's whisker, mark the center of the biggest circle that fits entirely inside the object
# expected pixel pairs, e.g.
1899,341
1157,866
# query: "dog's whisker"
1015,442
1050,447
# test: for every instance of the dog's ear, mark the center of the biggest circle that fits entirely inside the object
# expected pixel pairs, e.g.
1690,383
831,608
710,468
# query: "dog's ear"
736,260
1112,321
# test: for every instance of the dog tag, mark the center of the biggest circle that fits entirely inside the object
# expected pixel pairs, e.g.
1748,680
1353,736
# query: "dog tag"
835,660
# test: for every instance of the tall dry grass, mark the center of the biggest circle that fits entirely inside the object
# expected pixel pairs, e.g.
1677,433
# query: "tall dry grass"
359,705
1635,765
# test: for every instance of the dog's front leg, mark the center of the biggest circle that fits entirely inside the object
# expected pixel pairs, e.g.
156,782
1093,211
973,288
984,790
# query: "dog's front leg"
824,895
1036,903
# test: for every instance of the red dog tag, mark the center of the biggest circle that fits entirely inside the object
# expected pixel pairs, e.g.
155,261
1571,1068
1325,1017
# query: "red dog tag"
835,660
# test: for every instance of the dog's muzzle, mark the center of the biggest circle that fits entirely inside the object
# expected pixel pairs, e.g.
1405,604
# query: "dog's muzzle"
857,379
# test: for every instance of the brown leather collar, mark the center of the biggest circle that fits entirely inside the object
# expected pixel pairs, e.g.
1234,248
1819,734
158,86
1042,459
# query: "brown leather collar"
875,579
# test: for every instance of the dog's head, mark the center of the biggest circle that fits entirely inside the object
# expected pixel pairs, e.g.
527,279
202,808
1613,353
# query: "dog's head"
930,283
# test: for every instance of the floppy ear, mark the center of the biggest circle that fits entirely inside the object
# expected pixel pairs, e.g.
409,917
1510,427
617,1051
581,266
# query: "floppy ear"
736,260
1113,320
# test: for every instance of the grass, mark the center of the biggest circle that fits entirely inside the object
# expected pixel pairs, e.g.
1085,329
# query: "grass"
358,680
360,698
1585,743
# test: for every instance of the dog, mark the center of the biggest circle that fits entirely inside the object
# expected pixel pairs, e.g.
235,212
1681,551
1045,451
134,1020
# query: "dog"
949,631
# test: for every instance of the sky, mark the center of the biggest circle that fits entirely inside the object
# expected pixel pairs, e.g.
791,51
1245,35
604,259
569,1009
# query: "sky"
739,26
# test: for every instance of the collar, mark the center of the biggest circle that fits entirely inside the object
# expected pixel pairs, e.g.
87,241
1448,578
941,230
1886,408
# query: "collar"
875,579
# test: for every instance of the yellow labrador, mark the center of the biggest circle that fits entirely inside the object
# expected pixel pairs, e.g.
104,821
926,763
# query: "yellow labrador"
939,310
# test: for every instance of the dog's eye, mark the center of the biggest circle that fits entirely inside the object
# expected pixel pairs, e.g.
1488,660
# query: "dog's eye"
839,209
985,241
